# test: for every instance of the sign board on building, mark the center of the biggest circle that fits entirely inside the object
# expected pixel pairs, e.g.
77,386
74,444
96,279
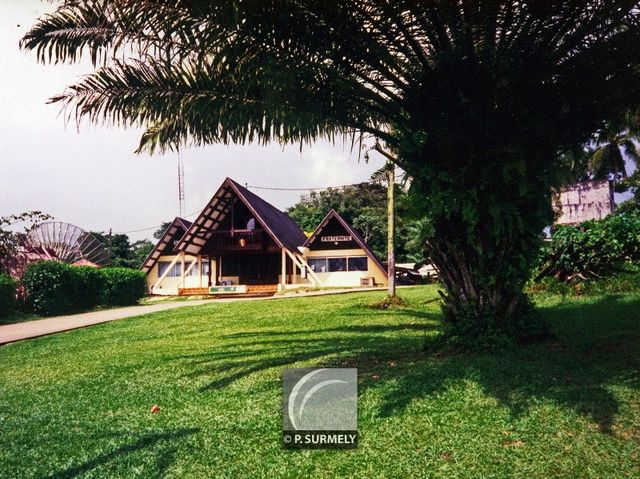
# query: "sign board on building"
333,239
239,288
589,200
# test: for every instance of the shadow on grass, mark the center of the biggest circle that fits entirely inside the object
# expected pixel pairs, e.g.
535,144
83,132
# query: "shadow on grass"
164,456
597,345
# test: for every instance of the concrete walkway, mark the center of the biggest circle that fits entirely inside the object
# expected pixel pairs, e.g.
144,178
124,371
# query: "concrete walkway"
42,327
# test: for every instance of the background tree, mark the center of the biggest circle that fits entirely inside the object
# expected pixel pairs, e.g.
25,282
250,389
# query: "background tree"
477,101
13,232
612,145
632,185
139,251
157,234
123,252
365,207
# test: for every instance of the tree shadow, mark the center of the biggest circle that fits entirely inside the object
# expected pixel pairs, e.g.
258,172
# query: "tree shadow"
592,349
164,458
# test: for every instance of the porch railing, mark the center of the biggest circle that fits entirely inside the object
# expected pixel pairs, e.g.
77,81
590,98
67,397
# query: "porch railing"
238,240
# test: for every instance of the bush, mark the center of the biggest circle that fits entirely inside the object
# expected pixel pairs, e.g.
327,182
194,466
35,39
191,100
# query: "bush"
7,295
625,282
51,288
57,288
87,288
122,286
594,250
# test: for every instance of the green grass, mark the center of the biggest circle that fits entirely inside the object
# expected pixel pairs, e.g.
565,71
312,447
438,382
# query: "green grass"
77,403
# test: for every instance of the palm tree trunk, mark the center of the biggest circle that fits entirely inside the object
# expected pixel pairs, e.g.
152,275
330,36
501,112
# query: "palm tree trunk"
481,311
391,255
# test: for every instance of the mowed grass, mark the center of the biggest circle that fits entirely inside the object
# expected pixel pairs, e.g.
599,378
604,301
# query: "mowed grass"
77,403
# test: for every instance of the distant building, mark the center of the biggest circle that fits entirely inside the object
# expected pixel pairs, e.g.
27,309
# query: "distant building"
589,200
241,244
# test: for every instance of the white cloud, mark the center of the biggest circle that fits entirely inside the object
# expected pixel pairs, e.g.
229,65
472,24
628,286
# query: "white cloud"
93,179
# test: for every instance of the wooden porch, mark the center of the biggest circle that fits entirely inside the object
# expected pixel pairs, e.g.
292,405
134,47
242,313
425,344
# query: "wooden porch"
253,290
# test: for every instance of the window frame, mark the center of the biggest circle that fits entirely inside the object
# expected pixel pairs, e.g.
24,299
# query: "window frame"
346,260
366,263
177,269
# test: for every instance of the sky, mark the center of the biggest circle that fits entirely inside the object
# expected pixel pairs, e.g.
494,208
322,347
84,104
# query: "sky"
93,179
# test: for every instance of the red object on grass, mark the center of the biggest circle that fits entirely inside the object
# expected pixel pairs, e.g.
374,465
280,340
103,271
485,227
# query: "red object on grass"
155,408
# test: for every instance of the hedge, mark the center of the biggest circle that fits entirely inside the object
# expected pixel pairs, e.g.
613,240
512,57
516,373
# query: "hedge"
50,288
88,287
58,288
7,295
122,286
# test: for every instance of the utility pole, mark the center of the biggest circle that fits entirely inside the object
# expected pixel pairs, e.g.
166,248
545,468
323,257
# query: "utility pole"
180,186
391,255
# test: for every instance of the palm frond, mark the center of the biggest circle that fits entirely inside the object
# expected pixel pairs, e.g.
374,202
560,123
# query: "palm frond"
631,151
371,66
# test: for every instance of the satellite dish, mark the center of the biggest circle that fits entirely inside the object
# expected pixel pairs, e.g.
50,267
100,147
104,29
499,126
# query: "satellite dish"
66,242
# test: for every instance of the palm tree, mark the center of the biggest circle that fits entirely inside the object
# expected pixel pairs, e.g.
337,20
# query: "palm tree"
610,146
477,100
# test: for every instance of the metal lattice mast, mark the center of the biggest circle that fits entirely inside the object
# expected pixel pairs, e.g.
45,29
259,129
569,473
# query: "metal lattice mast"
180,185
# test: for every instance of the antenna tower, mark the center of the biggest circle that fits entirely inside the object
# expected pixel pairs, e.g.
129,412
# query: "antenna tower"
180,185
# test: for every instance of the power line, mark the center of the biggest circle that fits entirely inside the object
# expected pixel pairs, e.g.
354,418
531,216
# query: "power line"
253,187
153,227
271,188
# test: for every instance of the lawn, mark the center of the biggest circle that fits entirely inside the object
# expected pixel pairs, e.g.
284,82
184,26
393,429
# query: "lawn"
77,403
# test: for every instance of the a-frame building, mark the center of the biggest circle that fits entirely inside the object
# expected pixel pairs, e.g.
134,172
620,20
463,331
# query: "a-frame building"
339,255
241,244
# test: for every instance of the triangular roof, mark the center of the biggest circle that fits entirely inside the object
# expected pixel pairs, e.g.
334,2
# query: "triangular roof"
333,214
178,224
280,227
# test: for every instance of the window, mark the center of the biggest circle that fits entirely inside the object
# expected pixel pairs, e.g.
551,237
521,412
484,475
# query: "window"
333,265
318,265
174,272
337,264
205,268
358,263
194,269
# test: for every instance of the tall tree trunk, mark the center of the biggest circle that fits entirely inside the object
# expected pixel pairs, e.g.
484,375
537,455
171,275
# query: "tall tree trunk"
391,255
479,312
483,240
483,298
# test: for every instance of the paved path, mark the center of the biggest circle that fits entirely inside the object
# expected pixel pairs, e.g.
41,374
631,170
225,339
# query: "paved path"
41,327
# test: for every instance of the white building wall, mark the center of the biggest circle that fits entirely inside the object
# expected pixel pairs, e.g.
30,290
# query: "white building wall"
344,278
170,284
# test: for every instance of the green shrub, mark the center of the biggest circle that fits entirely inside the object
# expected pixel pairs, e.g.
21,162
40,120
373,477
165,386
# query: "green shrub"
58,288
122,286
7,295
51,288
88,286
623,282
593,250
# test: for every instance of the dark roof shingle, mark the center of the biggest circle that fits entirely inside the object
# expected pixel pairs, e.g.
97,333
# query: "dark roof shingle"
285,230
